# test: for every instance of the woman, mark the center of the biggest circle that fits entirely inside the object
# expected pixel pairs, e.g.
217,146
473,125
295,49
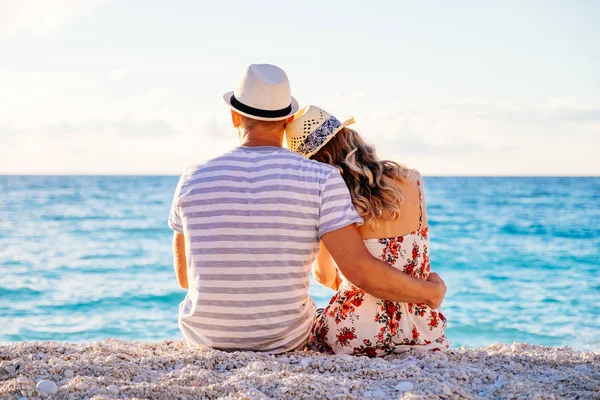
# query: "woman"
389,198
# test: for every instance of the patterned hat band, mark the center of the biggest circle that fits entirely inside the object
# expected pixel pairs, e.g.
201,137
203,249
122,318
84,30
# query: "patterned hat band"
320,136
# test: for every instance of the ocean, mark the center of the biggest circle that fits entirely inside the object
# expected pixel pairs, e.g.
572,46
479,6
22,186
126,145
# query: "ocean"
84,258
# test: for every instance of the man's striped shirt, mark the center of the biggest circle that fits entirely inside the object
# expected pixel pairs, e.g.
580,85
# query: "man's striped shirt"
252,220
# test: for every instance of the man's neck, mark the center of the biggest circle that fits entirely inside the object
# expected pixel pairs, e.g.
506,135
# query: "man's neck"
257,138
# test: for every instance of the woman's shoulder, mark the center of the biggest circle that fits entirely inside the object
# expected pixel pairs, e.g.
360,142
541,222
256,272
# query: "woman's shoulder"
415,175
418,178
404,174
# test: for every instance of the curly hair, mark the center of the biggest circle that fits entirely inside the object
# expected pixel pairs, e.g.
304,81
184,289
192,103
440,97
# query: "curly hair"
374,184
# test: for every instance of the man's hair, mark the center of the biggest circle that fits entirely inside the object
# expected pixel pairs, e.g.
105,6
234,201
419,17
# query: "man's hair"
250,124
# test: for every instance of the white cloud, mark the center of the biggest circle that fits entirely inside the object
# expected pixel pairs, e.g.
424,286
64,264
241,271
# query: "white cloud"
214,127
41,17
116,75
124,127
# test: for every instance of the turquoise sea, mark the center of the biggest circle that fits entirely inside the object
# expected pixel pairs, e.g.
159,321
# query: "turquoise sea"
89,257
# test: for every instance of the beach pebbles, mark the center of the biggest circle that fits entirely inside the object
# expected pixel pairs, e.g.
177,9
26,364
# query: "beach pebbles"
172,370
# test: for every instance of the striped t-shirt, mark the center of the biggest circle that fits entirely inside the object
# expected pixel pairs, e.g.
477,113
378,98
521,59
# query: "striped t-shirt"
252,220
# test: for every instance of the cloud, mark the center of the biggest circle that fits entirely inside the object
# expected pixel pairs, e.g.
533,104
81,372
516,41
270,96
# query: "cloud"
421,145
40,18
585,115
7,129
214,128
554,110
124,128
116,75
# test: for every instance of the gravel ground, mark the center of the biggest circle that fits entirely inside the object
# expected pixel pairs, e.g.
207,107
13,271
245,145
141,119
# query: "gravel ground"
170,370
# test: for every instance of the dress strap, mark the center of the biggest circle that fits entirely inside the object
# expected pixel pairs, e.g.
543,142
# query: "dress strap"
418,178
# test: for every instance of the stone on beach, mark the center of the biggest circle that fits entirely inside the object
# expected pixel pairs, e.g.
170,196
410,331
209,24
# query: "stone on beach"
113,389
47,387
405,386
592,386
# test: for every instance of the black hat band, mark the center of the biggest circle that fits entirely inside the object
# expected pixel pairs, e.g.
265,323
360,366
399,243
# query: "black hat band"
258,112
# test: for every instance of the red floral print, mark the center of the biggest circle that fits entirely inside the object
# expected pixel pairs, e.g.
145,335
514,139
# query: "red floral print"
415,333
433,320
417,309
393,248
345,336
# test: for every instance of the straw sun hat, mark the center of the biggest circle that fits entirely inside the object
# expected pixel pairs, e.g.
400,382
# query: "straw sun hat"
311,128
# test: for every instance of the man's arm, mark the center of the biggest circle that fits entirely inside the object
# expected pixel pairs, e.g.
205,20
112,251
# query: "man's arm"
376,277
180,260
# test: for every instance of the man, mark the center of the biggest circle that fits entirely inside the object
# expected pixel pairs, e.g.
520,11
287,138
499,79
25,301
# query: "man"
247,229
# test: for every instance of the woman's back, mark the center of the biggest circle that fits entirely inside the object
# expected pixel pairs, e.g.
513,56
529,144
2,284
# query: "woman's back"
404,242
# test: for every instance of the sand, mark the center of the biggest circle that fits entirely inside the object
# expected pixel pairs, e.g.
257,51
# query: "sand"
169,370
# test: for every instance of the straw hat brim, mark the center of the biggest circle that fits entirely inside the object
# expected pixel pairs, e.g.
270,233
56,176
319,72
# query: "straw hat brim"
294,110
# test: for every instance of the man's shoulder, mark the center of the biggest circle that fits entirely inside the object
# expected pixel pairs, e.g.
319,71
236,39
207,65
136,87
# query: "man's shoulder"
312,164
326,168
238,158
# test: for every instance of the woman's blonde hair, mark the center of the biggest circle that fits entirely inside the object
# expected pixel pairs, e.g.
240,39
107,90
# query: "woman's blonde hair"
374,184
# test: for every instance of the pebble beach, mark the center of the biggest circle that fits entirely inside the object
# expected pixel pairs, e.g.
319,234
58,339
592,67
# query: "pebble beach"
114,369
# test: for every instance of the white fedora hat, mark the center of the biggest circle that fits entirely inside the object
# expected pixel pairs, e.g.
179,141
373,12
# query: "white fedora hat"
311,129
263,93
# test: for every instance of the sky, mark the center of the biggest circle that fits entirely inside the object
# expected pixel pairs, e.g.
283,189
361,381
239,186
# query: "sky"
449,88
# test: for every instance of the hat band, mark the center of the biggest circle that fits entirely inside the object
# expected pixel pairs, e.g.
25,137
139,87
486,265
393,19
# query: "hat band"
320,136
258,112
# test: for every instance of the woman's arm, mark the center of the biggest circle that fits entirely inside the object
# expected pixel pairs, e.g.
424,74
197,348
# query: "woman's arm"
179,260
325,270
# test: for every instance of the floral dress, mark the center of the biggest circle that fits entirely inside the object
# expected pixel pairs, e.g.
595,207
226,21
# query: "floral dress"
357,323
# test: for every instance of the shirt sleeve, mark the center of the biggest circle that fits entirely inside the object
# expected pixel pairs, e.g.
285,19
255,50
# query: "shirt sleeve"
336,210
175,217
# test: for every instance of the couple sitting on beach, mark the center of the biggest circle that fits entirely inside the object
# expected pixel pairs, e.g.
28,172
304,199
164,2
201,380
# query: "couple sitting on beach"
250,224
